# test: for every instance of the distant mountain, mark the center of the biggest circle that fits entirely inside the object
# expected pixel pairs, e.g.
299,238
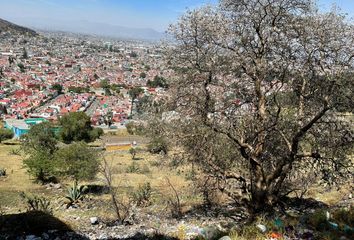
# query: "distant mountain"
92,28
6,26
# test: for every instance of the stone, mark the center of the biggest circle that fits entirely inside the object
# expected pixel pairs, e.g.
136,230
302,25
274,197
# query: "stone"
45,236
328,215
32,237
261,228
94,220
225,238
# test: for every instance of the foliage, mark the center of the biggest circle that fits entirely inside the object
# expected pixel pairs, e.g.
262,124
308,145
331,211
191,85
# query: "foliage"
173,201
96,133
40,137
157,82
24,53
158,145
271,110
133,54
142,195
22,67
133,168
76,126
135,92
133,151
78,89
134,128
78,161
105,84
75,194
5,134
39,144
2,172
58,87
142,75
37,203
41,165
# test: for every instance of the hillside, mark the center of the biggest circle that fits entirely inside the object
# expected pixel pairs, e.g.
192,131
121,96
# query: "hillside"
6,26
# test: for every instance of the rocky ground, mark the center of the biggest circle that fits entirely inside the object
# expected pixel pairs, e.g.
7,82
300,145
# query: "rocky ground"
211,224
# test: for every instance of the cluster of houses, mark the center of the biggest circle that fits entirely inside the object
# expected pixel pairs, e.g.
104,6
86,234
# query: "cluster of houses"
31,69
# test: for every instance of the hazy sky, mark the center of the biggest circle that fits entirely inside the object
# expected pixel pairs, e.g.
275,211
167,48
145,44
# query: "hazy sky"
156,14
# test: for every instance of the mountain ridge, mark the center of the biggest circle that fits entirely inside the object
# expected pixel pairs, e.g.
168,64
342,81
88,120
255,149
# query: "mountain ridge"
6,26
93,28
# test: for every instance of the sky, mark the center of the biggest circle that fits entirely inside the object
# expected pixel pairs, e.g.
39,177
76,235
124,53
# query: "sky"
155,14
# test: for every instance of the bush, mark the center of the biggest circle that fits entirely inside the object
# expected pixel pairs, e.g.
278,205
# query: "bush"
142,195
158,145
133,151
5,134
16,152
40,165
133,168
78,161
135,128
37,203
2,172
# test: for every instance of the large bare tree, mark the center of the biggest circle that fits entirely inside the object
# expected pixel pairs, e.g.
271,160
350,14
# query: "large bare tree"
264,95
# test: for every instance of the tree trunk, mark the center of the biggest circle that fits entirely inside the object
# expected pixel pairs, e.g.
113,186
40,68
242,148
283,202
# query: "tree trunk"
261,195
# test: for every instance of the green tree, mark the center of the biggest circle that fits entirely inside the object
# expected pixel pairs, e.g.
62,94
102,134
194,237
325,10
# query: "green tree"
39,144
78,161
104,84
40,138
58,87
77,127
134,93
24,53
157,82
5,134
22,67
133,152
142,75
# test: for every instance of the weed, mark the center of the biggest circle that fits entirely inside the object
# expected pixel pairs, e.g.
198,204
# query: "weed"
133,168
142,195
15,152
37,203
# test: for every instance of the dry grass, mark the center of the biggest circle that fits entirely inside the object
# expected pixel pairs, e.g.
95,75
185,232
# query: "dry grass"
17,180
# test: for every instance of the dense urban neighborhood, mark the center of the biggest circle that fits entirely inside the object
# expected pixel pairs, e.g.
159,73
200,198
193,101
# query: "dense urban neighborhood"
56,73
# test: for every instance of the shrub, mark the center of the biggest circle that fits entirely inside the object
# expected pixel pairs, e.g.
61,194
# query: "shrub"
37,203
78,161
16,152
173,201
134,151
145,169
158,145
134,128
142,195
5,134
133,168
40,165
2,172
